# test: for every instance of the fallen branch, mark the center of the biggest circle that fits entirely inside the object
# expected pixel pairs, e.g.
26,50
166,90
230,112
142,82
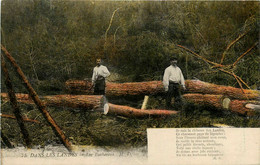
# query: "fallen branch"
57,130
239,58
16,109
24,119
231,44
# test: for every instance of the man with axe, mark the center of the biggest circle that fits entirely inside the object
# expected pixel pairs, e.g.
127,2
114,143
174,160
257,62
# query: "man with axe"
100,72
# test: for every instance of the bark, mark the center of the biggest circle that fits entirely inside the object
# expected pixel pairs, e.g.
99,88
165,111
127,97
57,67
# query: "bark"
215,101
16,109
75,101
156,87
57,130
243,107
98,103
196,86
117,89
24,119
133,112
72,101
240,106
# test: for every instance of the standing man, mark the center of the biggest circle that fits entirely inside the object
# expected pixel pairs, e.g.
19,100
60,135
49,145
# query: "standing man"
173,80
100,72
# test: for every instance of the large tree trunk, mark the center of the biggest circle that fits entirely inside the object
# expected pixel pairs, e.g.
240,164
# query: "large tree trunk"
215,101
133,112
117,89
94,102
156,87
243,107
196,86
72,101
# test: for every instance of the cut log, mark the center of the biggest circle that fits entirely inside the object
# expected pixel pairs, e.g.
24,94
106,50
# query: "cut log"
24,119
215,101
243,107
75,101
196,86
72,101
156,87
96,103
117,89
133,112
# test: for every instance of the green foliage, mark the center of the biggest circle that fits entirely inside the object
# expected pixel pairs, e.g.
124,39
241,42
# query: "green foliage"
61,39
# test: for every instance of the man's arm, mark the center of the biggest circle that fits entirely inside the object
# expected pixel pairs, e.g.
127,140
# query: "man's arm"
105,72
182,80
93,76
166,79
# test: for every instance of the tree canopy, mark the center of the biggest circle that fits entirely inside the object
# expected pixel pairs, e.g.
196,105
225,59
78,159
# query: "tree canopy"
54,41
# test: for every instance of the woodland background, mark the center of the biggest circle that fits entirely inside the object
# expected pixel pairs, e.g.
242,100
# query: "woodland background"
57,40
54,41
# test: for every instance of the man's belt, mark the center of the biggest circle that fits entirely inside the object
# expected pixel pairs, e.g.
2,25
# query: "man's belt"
172,82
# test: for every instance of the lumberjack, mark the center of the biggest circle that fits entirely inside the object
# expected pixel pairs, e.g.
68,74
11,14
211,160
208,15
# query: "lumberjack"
100,72
172,79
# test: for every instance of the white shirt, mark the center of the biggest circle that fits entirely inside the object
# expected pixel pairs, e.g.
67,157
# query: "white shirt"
174,74
100,71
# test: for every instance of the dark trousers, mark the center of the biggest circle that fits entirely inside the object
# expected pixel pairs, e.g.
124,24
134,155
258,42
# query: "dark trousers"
100,86
174,90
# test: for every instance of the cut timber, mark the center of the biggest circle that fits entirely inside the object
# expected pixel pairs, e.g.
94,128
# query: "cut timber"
215,101
117,89
133,112
243,107
145,102
24,119
97,103
156,87
72,101
75,101
196,86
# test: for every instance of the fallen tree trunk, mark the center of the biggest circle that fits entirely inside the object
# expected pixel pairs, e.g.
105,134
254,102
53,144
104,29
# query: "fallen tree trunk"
243,107
117,89
156,87
96,103
196,86
133,112
24,119
72,101
216,101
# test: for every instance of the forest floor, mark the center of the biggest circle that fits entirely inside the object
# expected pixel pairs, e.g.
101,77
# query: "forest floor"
84,127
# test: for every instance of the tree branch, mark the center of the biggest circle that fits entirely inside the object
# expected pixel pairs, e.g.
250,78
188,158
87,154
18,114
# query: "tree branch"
231,44
244,54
